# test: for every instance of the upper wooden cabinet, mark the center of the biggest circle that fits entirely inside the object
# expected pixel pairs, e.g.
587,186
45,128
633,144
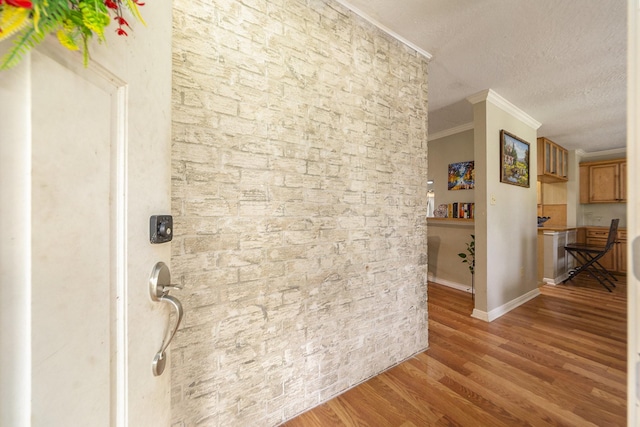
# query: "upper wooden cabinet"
604,181
553,161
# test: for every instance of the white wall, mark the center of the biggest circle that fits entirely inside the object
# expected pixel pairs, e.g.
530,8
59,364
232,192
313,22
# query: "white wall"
601,214
506,231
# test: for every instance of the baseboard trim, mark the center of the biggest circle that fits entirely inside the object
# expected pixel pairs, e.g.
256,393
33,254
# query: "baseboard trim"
505,308
557,280
449,283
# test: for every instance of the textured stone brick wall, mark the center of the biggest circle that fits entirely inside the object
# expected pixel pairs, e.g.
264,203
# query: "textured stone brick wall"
299,194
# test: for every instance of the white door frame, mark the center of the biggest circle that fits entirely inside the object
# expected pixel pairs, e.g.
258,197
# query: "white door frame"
633,209
15,247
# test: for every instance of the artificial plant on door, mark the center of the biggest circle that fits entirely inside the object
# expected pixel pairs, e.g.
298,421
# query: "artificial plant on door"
74,22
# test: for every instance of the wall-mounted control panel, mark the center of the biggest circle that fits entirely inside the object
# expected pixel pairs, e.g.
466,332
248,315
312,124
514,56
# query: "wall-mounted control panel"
160,228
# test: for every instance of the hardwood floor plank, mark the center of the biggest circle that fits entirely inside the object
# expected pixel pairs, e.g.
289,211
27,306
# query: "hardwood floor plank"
614,400
561,415
592,379
557,360
604,418
413,396
559,348
362,399
321,414
429,387
565,393
466,390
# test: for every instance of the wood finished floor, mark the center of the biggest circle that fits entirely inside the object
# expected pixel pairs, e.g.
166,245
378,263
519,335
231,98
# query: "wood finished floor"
558,360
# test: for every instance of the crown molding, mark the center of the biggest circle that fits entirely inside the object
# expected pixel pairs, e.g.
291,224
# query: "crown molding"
614,152
451,131
384,28
491,96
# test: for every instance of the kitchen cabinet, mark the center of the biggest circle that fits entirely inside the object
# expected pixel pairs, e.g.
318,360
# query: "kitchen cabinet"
603,182
553,161
553,203
616,259
621,252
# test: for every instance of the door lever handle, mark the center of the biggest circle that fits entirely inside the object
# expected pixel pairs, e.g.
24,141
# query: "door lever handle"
159,288
160,359
160,282
166,289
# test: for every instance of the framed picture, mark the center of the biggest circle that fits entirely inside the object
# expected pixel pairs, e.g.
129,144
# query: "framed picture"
514,160
461,176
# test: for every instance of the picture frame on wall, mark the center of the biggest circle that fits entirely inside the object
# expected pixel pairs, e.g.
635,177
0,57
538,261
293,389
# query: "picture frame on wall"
461,176
514,160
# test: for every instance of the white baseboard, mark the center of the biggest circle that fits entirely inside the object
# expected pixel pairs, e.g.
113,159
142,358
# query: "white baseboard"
505,308
481,315
557,280
448,283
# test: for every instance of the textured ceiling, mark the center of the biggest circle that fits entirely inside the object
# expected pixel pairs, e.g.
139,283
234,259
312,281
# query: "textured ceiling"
563,62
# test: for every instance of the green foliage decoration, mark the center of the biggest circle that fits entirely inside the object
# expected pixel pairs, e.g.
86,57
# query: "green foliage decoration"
75,22
470,256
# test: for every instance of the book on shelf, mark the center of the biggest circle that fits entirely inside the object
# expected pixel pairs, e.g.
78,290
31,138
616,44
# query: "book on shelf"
461,210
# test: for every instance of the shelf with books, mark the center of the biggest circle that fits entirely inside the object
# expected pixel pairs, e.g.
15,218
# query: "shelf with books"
460,221
456,210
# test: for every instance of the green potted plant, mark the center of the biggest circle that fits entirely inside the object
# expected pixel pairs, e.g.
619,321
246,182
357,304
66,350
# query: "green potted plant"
469,257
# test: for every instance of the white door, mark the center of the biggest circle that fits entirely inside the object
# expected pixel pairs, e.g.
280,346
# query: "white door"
84,163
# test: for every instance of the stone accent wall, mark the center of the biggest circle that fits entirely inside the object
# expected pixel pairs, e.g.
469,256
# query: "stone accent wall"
299,195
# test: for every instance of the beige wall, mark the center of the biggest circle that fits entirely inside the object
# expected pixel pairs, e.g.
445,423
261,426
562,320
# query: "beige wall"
443,151
506,232
446,240
299,195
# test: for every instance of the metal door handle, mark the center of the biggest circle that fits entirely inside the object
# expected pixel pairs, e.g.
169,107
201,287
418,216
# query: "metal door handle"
159,288
160,359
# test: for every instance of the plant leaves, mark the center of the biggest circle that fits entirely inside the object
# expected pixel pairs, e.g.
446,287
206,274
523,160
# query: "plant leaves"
134,9
12,20
70,19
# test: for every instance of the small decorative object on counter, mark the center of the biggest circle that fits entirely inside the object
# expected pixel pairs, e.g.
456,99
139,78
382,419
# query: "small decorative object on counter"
440,211
542,220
